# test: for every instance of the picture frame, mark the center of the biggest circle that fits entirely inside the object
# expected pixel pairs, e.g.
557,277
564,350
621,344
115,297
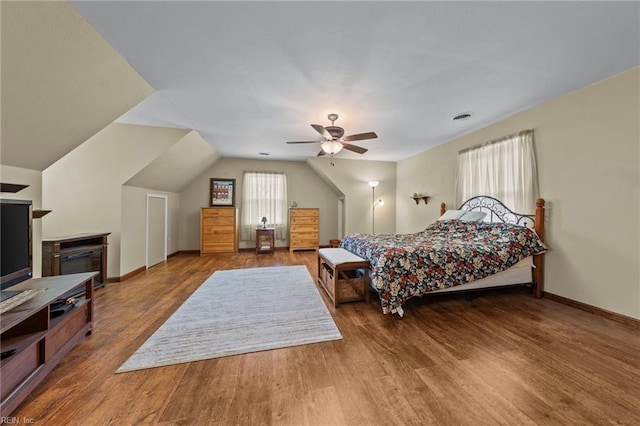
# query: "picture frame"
222,192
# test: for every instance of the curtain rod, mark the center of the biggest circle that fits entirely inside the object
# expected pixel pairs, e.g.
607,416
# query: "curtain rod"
494,141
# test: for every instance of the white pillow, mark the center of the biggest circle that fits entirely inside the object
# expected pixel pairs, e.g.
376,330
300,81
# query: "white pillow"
452,214
473,216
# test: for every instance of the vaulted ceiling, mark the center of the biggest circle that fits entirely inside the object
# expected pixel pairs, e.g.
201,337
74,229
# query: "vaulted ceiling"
61,83
251,75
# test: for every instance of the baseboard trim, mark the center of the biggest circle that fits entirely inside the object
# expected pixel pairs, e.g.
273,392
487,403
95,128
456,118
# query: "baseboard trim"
614,316
196,252
128,275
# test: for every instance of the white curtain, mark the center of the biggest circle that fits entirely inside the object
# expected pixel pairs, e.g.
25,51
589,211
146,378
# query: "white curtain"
264,194
504,169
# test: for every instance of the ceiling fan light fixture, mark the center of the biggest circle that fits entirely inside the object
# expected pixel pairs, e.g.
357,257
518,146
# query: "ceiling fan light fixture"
331,147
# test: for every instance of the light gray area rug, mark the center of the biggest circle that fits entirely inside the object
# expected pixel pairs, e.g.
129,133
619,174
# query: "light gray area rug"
239,311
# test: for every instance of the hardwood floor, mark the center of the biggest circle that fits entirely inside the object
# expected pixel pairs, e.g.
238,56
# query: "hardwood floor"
501,358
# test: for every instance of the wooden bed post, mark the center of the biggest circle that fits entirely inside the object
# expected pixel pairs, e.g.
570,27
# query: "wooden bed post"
538,260
443,208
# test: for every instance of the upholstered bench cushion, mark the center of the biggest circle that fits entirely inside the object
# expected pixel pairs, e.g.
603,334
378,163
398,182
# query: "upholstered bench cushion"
339,256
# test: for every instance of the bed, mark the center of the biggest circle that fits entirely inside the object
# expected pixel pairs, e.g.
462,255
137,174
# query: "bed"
504,249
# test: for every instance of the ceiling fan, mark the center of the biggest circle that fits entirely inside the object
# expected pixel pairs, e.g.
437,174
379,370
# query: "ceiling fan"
334,141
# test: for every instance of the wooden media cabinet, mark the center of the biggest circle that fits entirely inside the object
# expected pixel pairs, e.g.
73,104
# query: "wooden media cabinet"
39,341
74,254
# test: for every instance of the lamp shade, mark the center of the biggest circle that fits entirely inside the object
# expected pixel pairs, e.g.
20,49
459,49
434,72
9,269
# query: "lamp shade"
331,147
373,183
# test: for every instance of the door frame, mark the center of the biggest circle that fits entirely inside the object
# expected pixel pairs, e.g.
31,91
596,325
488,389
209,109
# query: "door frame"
166,219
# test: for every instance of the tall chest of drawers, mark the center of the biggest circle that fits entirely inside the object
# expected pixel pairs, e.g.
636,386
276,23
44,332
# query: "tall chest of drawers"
304,228
218,230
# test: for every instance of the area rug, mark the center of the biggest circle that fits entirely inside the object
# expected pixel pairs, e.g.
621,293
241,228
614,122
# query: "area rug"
240,311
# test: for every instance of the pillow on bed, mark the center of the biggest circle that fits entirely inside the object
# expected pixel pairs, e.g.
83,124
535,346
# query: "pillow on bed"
452,214
473,216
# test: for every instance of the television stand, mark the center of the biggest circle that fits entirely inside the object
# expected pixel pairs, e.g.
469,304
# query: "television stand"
38,341
74,254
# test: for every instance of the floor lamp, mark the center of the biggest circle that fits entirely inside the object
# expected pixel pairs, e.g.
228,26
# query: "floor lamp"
374,203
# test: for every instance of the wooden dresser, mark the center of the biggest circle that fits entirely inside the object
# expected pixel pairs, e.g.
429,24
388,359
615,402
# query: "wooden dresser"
304,228
218,230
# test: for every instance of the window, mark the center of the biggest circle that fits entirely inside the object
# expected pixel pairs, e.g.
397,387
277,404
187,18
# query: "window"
504,169
264,194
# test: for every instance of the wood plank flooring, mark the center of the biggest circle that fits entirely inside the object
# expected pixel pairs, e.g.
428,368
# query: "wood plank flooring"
502,358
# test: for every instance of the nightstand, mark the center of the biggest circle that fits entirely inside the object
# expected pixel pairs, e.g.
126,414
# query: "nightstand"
265,240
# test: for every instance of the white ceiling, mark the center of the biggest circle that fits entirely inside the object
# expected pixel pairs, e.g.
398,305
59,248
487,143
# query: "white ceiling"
249,76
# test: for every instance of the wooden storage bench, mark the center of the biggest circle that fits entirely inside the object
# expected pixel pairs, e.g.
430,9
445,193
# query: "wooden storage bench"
343,275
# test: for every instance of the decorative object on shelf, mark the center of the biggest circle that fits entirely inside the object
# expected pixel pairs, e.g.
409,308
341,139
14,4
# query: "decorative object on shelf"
375,204
19,298
223,192
417,196
264,222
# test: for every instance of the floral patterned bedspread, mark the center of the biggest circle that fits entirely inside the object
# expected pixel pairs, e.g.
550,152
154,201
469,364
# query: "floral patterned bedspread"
447,253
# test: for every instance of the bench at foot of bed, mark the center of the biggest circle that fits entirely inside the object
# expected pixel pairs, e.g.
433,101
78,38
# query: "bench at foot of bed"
343,275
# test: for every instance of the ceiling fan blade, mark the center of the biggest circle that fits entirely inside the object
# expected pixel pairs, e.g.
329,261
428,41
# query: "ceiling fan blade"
355,148
321,153
360,137
320,129
305,142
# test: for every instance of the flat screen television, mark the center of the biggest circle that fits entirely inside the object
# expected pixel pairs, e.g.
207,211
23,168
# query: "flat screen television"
15,242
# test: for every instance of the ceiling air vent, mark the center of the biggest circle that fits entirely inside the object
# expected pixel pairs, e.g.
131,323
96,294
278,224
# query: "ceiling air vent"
463,116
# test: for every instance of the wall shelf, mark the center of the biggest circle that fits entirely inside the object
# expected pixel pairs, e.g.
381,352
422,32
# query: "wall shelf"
424,198
11,187
37,214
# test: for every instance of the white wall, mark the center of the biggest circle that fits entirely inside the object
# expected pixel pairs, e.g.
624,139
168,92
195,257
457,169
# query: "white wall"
84,188
305,187
351,178
134,222
33,192
587,146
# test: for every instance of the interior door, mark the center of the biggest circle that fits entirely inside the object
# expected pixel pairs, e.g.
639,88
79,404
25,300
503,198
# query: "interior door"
156,229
